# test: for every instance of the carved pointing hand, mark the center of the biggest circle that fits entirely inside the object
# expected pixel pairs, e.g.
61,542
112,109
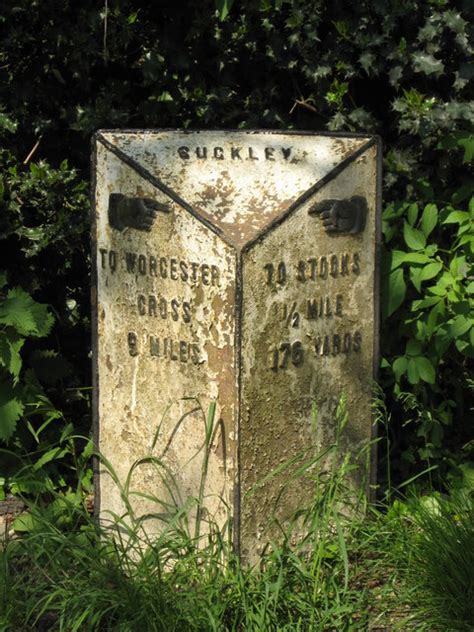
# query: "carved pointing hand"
133,212
342,216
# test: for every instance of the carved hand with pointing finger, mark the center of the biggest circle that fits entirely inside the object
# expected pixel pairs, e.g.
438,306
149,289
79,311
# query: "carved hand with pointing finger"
342,216
133,212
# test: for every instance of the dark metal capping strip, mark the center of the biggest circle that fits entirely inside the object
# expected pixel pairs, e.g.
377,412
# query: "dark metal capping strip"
156,182
238,362
309,192
95,333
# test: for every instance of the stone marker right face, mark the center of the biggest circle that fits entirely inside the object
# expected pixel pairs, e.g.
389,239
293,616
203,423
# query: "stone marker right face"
291,233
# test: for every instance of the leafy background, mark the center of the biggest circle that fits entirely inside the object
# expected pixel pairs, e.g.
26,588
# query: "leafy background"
403,70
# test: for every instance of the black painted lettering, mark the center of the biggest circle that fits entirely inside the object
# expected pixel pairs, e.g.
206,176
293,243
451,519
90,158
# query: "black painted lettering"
195,354
141,303
344,264
312,310
314,268
357,341
300,271
252,156
326,346
218,153
286,151
328,310
186,312
356,263
163,268
297,354
183,152
132,342
173,354
347,342
154,346
281,272
269,153
142,264
201,153
235,153
214,275
285,350
274,360
205,274
183,351
194,268
103,259
163,308
268,267
152,266
130,260
318,345
173,269
323,268
152,305
184,270
174,309
338,310
334,266
112,260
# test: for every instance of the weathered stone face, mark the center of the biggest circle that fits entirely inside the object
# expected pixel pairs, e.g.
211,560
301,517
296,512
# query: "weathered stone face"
236,267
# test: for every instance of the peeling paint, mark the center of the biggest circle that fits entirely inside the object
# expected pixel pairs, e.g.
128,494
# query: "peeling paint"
236,295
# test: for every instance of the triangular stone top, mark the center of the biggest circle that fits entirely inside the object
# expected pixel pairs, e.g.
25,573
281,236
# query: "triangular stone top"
239,181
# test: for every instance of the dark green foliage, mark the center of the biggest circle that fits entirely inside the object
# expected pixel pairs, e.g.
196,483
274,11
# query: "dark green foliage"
400,69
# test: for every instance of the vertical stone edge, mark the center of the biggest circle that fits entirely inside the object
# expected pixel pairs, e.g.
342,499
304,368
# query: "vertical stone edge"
94,324
372,478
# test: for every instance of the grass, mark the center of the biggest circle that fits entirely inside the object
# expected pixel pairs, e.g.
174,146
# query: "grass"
409,566
441,571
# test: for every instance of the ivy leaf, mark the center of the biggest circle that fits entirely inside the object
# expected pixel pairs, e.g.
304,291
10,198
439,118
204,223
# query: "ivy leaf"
427,64
429,219
20,311
11,409
414,238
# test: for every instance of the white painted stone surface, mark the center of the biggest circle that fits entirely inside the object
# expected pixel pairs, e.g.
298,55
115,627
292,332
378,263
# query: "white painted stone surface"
236,295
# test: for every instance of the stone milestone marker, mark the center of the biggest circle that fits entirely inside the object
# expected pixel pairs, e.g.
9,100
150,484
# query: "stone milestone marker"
241,268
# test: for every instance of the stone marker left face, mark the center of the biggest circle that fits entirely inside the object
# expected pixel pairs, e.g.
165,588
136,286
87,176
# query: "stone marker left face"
193,231
166,327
